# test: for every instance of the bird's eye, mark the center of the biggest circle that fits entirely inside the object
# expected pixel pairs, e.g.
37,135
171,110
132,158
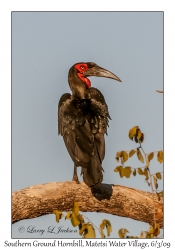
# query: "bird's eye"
82,67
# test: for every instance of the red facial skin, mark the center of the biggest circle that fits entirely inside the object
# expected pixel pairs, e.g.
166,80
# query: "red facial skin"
81,67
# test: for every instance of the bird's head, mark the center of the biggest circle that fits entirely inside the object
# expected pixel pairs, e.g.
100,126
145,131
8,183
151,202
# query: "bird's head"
78,77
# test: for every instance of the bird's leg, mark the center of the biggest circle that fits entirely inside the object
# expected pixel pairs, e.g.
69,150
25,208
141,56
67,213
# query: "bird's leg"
75,176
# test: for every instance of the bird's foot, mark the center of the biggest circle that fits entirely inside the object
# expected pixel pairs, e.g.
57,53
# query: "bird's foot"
75,178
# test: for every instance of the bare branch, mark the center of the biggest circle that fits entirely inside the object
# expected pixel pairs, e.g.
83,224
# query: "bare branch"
118,200
159,91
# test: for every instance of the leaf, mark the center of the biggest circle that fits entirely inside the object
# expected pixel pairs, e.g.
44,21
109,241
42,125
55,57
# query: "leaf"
156,230
120,233
133,132
139,134
150,156
68,216
160,156
139,155
107,224
127,171
141,138
140,172
134,172
155,181
122,172
124,155
160,194
75,215
87,231
75,220
125,231
118,156
75,208
158,175
117,169
132,152
145,172
58,214
142,235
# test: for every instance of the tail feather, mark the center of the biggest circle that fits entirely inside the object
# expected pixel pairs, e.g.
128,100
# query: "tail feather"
92,174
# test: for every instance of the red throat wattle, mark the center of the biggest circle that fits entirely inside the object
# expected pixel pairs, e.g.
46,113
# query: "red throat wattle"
81,67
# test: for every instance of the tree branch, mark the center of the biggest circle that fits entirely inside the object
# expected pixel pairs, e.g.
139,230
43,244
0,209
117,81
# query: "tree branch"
118,200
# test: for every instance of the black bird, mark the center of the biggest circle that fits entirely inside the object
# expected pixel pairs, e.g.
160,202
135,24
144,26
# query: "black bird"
83,120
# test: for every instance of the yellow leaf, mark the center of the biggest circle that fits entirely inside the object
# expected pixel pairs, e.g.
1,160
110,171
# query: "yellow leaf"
75,220
125,231
139,155
141,139
160,156
75,208
107,224
142,235
140,172
155,181
133,132
124,155
117,169
134,172
122,172
117,156
160,194
75,215
58,214
150,156
68,216
132,152
145,172
87,231
158,175
120,233
139,135
127,171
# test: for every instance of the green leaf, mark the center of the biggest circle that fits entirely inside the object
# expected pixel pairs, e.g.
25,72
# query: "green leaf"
133,132
158,175
87,231
139,155
127,171
124,155
132,152
134,172
160,156
58,214
150,156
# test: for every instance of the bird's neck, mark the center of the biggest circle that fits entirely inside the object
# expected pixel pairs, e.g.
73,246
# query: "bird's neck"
78,89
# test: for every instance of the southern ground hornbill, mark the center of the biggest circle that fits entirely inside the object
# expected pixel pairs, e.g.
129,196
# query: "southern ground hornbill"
83,120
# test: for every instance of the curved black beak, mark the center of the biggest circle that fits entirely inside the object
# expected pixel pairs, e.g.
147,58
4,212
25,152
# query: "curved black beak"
98,71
